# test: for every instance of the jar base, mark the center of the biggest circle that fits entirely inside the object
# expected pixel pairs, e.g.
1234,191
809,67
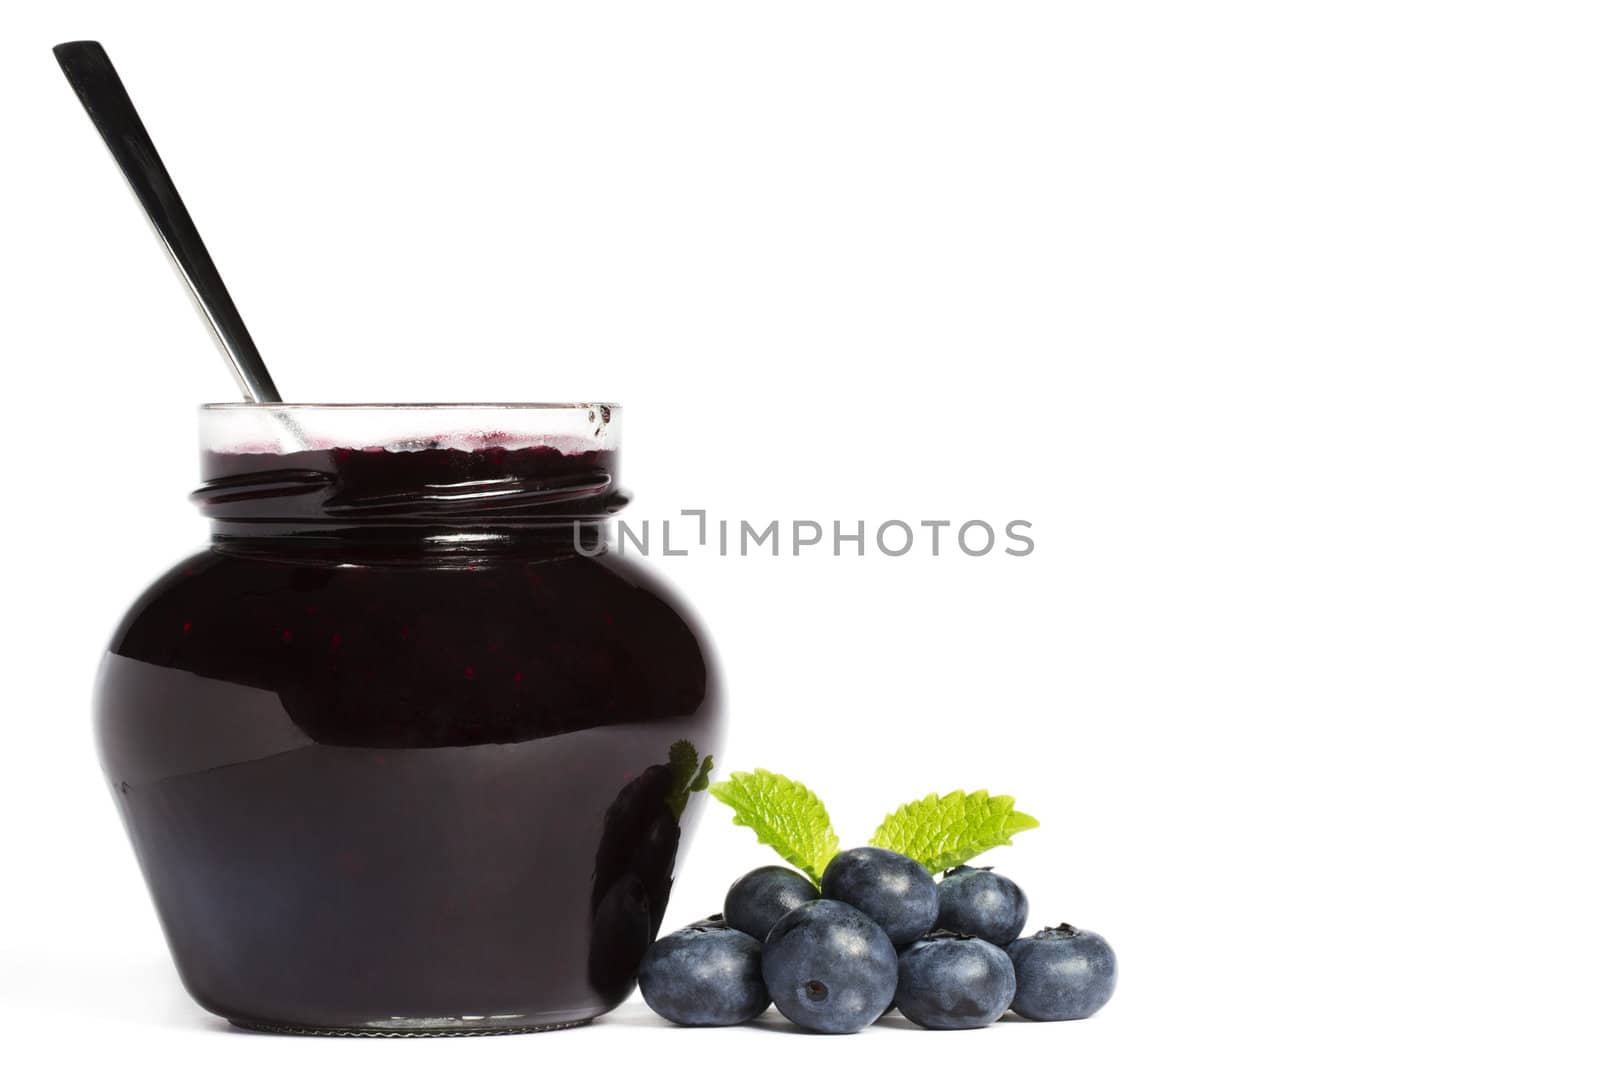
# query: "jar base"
405,1028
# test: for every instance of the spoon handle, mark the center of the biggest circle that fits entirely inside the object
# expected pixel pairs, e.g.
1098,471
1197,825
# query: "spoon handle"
94,79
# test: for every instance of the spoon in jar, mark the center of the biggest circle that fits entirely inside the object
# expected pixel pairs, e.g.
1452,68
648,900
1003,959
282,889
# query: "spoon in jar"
94,79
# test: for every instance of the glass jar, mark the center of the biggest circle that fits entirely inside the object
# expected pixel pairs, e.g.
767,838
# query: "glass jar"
404,750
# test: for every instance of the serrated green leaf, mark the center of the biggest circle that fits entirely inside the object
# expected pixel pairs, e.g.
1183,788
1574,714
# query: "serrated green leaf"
784,814
944,832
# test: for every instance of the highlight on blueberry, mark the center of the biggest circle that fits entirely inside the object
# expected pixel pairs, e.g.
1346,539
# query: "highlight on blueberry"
954,982
706,974
829,968
894,891
977,902
1062,973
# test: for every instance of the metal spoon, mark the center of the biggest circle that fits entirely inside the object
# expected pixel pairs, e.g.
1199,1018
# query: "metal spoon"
95,80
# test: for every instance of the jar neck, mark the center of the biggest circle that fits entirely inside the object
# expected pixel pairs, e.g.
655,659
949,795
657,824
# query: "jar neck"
432,546
402,503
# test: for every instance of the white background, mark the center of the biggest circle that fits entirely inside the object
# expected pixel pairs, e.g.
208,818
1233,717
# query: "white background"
1277,320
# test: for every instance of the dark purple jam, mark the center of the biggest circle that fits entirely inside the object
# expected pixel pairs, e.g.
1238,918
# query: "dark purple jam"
394,755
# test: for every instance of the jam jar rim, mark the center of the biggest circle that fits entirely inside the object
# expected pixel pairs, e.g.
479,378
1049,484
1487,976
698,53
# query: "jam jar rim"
370,471
495,405
282,428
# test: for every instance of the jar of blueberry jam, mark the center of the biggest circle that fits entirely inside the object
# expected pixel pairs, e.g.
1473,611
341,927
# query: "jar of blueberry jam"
405,750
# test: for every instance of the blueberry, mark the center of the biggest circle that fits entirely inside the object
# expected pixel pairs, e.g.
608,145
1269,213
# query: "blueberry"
704,975
632,878
639,836
653,864
619,935
954,982
893,890
829,968
978,902
762,897
1062,973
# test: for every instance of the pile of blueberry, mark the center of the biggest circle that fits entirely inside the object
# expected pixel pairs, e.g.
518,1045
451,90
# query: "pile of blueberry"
881,934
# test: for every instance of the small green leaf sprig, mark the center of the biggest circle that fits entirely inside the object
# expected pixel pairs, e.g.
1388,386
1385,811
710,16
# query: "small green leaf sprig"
938,832
690,774
784,814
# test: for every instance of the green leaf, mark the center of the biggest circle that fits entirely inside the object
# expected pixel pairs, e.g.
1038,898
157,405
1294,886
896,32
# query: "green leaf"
784,814
681,760
689,775
702,779
944,832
